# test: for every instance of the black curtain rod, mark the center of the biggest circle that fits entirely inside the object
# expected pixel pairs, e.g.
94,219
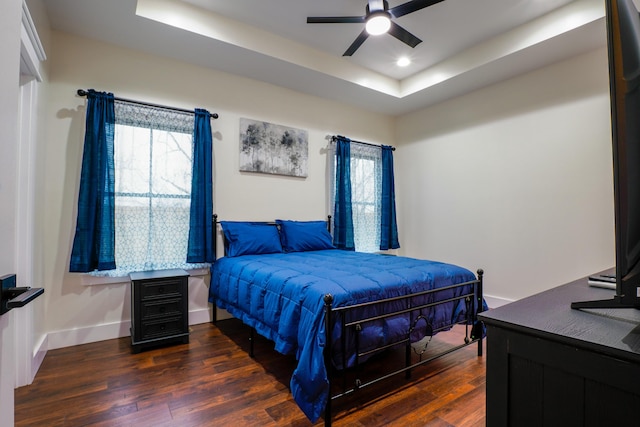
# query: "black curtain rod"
334,137
82,92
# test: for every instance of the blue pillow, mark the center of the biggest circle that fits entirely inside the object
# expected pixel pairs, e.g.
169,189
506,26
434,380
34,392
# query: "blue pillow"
299,236
250,238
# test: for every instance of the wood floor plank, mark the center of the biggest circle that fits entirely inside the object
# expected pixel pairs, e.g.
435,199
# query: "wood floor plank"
212,381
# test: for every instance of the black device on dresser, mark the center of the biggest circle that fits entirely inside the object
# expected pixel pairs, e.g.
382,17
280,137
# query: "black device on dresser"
623,45
159,308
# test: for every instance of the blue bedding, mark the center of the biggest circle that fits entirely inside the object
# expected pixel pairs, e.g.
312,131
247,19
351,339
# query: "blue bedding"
281,296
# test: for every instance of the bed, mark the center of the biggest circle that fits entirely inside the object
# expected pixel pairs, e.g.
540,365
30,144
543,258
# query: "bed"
334,309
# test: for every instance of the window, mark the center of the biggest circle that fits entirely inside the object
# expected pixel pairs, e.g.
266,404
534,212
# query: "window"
153,152
366,177
366,182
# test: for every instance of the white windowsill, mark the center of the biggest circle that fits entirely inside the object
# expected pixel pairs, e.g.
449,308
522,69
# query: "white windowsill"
88,280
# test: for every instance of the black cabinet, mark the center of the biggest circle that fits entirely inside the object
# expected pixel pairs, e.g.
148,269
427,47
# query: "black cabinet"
159,308
549,365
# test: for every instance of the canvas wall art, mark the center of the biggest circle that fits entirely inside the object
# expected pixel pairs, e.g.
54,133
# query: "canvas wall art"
274,149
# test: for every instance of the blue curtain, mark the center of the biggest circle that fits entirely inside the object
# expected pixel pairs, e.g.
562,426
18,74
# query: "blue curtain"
94,240
343,216
388,226
200,246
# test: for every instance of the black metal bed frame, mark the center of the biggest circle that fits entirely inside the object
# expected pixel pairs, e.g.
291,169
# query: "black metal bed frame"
474,331
473,334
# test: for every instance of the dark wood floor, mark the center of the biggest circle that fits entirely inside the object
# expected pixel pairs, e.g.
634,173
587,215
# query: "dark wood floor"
212,381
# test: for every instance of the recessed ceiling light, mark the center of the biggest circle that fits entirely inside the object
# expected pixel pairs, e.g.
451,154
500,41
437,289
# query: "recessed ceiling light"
403,62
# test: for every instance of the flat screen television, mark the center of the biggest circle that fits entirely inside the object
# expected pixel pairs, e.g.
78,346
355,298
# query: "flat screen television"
623,43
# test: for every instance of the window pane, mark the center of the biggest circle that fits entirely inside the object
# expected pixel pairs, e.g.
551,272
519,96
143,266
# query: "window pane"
168,231
132,148
172,156
132,225
363,180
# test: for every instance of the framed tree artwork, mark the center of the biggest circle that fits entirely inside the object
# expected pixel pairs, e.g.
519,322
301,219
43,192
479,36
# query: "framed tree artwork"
273,149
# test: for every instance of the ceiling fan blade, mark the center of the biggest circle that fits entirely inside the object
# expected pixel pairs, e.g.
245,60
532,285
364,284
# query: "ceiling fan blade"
356,43
403,35
336,20
411,6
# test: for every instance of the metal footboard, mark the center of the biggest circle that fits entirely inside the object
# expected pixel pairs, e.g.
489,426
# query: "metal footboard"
336,316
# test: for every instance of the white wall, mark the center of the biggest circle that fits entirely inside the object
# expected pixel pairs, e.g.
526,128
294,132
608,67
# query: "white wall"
515,178
78,313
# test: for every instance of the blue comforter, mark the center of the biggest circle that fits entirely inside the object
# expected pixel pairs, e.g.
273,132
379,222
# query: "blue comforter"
281,296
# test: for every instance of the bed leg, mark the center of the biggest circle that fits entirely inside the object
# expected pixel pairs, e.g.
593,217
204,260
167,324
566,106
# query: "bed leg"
328,300
214,229
251,340
479,309
407,360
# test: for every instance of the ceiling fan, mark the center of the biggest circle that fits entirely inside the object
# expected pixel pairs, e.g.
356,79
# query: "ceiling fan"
377,18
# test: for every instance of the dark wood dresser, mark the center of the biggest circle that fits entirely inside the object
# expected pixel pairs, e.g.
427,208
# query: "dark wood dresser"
159,308
550,365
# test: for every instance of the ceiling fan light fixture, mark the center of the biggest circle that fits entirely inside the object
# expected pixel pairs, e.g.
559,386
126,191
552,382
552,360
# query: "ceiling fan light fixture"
378,23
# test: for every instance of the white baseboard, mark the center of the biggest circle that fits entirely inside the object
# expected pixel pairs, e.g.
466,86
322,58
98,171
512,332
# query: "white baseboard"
495,302
107,331
197,317
39,352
